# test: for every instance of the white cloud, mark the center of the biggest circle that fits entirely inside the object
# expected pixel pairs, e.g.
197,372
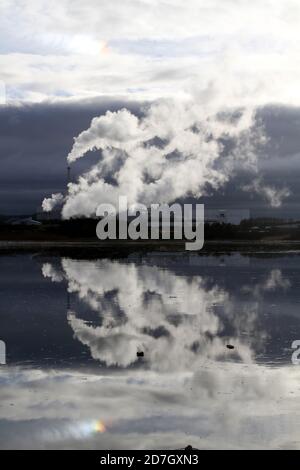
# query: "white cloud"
216,407
93,48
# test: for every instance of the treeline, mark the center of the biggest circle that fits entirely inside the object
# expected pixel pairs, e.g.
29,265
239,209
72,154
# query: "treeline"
85,228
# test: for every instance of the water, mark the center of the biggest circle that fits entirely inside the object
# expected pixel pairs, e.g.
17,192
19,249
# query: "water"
73,329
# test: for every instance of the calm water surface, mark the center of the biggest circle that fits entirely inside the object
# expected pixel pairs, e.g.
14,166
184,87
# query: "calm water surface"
73,329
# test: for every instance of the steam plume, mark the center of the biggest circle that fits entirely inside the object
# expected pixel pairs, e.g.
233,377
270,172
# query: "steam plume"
49,203
177,148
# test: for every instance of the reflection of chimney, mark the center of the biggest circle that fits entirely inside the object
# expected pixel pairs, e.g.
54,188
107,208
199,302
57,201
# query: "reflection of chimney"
69,175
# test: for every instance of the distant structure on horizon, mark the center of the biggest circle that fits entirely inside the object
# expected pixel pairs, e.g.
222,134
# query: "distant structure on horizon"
226,216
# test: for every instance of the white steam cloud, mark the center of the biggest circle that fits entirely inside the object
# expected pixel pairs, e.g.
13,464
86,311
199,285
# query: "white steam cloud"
177,148
119,130
49,203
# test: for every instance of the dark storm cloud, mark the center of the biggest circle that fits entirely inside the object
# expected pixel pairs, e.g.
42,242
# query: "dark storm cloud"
35,139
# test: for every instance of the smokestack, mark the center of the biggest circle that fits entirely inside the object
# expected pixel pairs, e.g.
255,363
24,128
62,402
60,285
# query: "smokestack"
68,174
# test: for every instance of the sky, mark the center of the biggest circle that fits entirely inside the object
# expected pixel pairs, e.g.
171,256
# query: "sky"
176,68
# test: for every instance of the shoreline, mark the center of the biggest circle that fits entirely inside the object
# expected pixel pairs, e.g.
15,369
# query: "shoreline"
116,247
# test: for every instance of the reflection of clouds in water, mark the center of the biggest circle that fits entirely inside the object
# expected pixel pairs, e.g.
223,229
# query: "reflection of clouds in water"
244,316
170,317
220,405
49,271
274,280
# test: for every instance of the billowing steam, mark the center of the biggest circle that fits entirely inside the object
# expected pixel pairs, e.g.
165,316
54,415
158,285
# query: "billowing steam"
119,130
175,149
50,202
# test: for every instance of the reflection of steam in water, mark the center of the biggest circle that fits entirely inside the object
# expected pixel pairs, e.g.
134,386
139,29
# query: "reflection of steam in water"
274,281
185,394
172,318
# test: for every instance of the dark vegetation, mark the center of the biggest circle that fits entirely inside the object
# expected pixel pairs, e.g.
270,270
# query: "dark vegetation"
85,230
